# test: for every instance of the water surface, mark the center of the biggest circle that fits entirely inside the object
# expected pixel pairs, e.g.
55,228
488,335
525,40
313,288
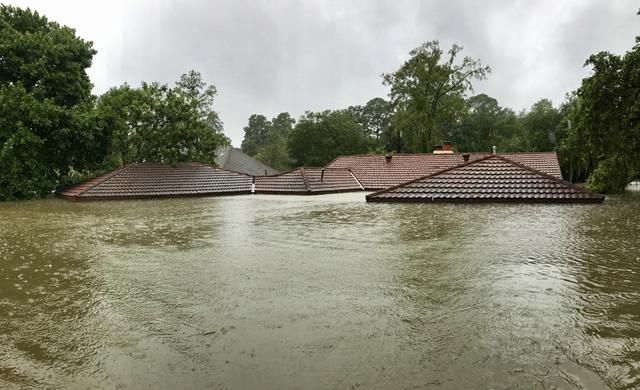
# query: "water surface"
319,292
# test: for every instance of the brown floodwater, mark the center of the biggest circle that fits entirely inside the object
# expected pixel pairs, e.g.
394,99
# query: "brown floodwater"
278,292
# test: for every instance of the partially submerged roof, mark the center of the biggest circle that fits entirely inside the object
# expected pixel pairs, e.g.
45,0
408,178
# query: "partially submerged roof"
494,178
153,180
308,181
232,159
149,180
376,172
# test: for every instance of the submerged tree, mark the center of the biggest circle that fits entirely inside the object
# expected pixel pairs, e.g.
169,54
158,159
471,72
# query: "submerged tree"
46,123
428,93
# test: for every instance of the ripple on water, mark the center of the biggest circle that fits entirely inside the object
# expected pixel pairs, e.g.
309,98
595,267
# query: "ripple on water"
276,292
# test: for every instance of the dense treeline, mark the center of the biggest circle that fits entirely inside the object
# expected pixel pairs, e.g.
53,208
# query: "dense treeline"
595,131
53,131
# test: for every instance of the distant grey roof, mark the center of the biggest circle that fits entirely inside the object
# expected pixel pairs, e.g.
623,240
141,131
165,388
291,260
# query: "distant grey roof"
232,159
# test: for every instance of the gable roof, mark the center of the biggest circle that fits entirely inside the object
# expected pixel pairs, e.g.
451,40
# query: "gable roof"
154,180
375,172
493,178
308,180
232,159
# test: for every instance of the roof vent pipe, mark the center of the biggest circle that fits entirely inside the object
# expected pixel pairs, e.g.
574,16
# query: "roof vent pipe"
466,156
494,149
388,157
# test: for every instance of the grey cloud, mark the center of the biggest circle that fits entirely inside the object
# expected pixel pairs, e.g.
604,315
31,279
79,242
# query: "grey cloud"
273,56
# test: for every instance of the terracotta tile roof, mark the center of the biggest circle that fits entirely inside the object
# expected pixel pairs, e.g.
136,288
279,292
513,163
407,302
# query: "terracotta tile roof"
147,180
375,172
232,159
308,181
494,178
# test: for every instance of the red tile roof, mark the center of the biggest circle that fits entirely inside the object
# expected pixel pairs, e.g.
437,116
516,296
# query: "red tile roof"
148,180
308,181
375,172
493,178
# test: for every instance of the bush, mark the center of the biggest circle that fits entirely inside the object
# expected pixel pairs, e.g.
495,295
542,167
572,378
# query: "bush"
610,176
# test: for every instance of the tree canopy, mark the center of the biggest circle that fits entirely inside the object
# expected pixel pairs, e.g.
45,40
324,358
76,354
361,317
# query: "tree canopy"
156,123
320,137
603,122
273,151
375,119
428,93
52,129
46,124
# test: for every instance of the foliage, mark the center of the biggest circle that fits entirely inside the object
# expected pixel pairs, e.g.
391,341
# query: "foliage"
255,134
610,175
274,150
320,137
540,125
428,93
155,123
46,124
486,124
604,136
375,119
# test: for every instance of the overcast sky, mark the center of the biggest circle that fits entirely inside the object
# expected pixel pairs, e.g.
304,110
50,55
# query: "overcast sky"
272,56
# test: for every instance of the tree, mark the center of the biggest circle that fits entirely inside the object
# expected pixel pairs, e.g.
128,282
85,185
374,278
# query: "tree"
318,138
428,93
155,123
46,123
540,125
274,151
485,125
375,119
255,134
604,136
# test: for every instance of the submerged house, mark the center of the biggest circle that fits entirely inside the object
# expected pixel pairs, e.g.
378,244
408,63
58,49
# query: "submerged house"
153,180
492,178
442,176
377,172
308,180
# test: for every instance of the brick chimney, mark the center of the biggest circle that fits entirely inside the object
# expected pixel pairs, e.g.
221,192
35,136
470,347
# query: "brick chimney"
445,148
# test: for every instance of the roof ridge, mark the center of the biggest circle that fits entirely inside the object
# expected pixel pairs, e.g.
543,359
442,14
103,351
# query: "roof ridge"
355,178
432,154
548,176
431,174
281,173
105,178
305,180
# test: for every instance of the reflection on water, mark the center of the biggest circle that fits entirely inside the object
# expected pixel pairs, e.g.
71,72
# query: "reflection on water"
320,292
